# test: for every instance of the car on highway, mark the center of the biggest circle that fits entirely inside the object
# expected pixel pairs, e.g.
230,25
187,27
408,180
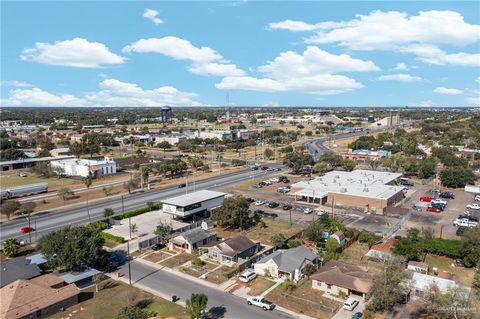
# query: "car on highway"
350,304
247,276
474,206
26,229
433,209
182,185
307,210
261,302
426,198
259,202
448,195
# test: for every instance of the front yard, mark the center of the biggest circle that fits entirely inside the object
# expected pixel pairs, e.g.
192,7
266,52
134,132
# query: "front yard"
112,297
305,300
263,235
176,261
259,285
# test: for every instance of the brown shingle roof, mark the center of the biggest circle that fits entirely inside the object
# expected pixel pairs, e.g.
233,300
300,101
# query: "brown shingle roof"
386,246
344,275
235,245
23,297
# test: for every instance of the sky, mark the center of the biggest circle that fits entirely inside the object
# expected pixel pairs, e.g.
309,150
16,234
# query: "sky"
249,53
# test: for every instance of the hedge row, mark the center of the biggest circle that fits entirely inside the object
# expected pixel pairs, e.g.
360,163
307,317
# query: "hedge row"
447,247
114,238
138,211
98,225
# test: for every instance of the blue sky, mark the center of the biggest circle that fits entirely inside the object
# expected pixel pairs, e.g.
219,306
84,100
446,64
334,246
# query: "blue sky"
133,53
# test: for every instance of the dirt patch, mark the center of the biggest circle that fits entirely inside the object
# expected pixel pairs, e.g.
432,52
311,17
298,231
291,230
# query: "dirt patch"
176,260
442,263
259,285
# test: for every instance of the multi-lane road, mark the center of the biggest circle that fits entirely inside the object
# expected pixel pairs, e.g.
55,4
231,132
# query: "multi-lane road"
77,216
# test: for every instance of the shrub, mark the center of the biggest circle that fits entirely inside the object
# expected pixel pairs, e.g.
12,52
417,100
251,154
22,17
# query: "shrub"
446,247
138,211
197,262
292,243
98,225
229,273
111,237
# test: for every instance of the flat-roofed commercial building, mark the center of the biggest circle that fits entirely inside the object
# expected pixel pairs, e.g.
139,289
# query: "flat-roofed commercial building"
199,203
370,190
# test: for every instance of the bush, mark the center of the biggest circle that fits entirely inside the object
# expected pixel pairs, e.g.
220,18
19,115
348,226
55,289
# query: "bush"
98,225
111,237
292,243
138,211
446,247
197,262
229,273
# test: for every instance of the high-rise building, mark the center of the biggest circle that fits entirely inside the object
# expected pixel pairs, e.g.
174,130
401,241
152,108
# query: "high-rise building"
167,114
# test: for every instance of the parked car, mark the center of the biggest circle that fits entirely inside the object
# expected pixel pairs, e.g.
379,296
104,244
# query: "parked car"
156,247
426,198
264,168
287,207
267,183
357,315
286,181
182,185
247,276
464,222
259,202
307,210
433,209
417,208
406,182
262,213
261,302
477,198
273,204
438,201
26,230
321,212
448,195
474,206
350,304
438,205
283,190
435,191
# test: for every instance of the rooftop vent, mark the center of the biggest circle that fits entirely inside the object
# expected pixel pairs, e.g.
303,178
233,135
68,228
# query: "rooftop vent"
343,190
365,189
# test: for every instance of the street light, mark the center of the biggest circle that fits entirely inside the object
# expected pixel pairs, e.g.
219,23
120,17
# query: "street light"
27,216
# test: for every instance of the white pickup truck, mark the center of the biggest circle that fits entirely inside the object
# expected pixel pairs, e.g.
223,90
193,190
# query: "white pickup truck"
261,302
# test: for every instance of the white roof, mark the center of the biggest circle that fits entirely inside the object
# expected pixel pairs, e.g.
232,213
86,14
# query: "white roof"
424,282
363,183
193,198
82,162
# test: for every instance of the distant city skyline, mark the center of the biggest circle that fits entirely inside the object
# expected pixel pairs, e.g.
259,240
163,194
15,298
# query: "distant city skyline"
125,53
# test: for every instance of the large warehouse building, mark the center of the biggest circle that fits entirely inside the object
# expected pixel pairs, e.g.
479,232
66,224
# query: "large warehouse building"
370,190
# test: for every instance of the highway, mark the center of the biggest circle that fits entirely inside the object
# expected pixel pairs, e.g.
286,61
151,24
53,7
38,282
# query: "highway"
220,304
52,221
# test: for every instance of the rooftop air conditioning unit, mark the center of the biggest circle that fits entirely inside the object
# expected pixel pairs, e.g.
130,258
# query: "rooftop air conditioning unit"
365,189
343,190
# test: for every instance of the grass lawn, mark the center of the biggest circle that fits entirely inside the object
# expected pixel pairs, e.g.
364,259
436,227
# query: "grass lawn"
304,299
248,184
112,297
110,243
259,285
12,180
442,263
156,257
177,260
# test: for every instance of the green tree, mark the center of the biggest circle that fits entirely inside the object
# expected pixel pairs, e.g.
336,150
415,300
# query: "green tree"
162,231
108,212
386,288
8,208
331,248
77,149
471,247
409,247
457,176
321,167
278,240
196,305
268,153
314,231
349,164
164,145
297,160
427,167
134,312
332,159
72,248
65,193
292,243
11,246
233,213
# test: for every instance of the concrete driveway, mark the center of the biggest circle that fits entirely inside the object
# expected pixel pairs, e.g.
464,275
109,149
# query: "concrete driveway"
346,314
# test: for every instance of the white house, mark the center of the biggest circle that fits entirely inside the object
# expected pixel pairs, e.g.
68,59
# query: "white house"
198,203
85,167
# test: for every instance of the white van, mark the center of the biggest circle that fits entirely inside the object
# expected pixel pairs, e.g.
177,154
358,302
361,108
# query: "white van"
247,276
350,304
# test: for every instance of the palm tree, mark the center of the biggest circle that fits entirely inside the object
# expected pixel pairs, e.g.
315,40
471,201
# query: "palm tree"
97,279
11,246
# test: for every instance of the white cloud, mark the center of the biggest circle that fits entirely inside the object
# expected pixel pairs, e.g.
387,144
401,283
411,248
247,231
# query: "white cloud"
216,69
152,15
77,52
205,61
397,28
473,100
174,47
112,93
292,25
402,77
312,62
401,67
478,80
324,84
434,55
15,83
447,91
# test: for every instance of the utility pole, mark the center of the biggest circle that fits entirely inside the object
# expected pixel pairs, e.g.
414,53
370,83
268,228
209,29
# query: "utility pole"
129,267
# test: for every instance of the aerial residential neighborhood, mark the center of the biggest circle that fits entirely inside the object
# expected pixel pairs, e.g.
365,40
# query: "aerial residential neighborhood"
240,160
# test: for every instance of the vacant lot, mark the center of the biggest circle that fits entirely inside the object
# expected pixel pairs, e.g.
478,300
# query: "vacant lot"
112,297
176,261
259,285
263,235
442,263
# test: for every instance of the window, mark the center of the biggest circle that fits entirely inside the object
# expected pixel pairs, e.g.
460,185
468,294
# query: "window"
214,254
39,313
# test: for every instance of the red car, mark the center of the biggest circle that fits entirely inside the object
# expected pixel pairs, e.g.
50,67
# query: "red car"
433,209
26,229
427,198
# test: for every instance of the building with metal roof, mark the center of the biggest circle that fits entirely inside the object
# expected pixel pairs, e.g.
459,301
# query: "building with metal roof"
196,203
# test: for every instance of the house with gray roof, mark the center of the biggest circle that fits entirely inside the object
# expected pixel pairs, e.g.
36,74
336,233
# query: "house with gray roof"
233,250
17,268
287,263
191,240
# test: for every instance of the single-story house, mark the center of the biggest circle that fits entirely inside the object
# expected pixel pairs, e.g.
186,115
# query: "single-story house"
17,268
381,251
339,237
39,297
80,278
191,240
422,284
290,263
235,249
336,277
418,266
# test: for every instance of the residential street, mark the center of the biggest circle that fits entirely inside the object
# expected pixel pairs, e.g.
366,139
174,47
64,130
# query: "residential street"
221,304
